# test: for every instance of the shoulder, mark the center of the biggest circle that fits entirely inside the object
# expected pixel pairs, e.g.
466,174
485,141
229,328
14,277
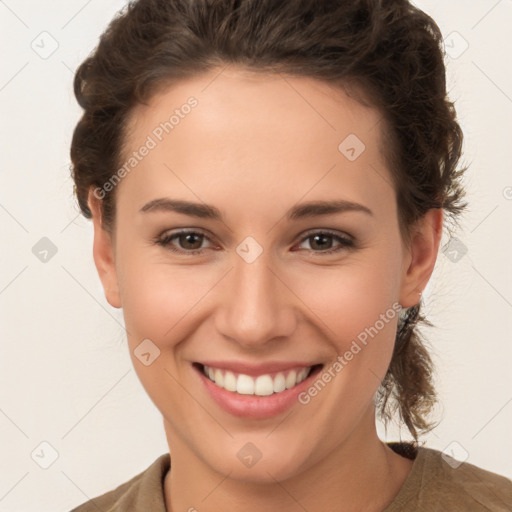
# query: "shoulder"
443,483
142,492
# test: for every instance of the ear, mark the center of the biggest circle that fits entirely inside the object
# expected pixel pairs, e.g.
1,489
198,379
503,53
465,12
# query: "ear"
103,253
421,256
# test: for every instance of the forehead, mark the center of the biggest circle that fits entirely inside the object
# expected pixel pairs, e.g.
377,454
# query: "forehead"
263,134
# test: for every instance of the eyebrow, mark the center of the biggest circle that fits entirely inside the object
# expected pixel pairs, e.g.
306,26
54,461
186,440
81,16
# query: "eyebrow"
206,211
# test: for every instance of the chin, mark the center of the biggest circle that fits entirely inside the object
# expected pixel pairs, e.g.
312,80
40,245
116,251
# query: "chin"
265,472
271,463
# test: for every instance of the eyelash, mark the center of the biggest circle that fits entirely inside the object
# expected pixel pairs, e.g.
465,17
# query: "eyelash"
165,241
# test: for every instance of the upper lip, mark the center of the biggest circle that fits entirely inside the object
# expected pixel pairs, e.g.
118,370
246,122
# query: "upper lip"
257,369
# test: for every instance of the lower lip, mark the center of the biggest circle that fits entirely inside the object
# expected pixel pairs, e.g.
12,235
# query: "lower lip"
252,406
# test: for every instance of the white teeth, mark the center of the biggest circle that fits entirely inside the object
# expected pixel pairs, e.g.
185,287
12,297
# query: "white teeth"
263,385
244,385
229,382
279,383
291,379
219,377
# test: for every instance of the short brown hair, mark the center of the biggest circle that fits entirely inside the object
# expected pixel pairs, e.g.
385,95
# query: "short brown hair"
389,52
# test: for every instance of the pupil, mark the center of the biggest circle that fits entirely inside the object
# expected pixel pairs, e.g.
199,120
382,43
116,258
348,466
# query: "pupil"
189,235
321,237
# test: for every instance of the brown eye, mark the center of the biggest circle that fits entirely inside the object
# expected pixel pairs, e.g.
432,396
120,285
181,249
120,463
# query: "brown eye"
190,240
185,242
323,242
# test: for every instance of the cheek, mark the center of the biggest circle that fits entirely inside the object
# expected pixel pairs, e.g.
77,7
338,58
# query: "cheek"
355,307
157,297
349,298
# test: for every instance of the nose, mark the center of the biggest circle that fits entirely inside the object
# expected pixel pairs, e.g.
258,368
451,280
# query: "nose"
257,306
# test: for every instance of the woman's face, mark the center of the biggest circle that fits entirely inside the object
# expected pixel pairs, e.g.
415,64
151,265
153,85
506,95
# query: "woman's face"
266,285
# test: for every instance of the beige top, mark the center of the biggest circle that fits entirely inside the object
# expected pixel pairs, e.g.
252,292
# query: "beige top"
434,484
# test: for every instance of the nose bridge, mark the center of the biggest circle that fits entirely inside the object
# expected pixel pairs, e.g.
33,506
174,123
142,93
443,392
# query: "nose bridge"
256,308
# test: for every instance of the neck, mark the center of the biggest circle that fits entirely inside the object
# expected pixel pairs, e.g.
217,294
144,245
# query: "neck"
362,473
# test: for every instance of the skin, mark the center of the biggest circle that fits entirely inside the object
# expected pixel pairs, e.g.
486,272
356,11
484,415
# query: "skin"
255,146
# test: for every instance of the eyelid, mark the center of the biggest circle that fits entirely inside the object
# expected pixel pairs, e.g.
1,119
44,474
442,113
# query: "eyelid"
326,231
347,241
165,238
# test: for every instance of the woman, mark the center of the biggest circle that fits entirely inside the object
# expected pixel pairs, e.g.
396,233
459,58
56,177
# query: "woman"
268,184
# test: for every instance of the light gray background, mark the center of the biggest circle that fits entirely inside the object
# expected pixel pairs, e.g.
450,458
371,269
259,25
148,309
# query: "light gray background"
66,378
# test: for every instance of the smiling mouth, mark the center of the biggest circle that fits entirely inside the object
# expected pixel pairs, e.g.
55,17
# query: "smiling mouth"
261,385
